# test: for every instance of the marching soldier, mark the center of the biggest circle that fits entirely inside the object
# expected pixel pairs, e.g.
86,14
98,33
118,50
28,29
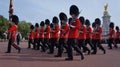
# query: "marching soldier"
31,37
54,34
63,34
41,36
12,34
93,35
47,34
36,39
88,34
73,35
111,34
82,36
117,36
97,32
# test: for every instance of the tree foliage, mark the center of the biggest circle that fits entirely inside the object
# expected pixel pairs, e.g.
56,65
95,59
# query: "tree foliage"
24,28
3,26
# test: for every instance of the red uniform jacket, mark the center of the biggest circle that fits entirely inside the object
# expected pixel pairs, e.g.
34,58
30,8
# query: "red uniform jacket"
111,33
64,31
12,31
82,32
47,32
37,33
41,34
31,35
89,33
98,35
55,33
74,32
93,35
117,35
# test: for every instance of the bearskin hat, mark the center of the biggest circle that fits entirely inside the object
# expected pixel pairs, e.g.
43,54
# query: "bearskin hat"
15,19
37,25
42,23
87,22
82,19
93,24
111,25
69,21
47,22
98,21
55,20
117,28
74,10
51,25
31,27
63,16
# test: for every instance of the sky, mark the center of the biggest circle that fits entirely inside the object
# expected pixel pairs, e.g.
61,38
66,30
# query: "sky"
38,10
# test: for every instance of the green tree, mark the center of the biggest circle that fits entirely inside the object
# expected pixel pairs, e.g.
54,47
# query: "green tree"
3,26
24,28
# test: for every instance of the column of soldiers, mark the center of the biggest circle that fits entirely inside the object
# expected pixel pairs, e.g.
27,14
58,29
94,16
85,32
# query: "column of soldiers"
73,33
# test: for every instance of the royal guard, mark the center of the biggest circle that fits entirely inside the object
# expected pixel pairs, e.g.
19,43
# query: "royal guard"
12,34
36,39
73,35
82,35
54,34
97,32
31,37
63,34
111,34
88,34
93,35
117,36
47,34
41,36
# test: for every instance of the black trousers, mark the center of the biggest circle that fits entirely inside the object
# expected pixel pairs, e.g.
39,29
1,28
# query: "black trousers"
18,41
97,43
62,44
30,41
110,42
72,42
41,42
89,41
36,44
47,43
81,43
54,42
117,41
12,42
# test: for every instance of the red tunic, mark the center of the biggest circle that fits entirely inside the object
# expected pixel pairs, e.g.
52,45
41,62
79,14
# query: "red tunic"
13,31
89,33
41,35
73,32
55,33
37,33
111,33
31,35
64,31
117,35
98,35
82,33
47,32
93,35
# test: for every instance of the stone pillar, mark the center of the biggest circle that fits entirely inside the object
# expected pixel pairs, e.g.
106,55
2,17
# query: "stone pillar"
106,21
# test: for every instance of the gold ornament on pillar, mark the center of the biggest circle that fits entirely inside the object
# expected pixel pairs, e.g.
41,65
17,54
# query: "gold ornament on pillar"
105,9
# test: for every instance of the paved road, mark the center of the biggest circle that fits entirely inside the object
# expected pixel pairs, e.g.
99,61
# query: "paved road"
33,58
